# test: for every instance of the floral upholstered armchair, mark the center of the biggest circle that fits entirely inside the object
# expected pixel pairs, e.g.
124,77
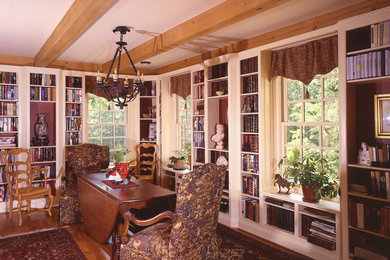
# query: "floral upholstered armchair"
81,159
191,231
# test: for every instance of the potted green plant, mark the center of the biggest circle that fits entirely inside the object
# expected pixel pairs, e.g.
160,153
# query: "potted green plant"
119,155
181,159
314,174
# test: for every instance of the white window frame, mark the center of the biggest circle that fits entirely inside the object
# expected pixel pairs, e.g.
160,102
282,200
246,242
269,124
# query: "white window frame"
179,125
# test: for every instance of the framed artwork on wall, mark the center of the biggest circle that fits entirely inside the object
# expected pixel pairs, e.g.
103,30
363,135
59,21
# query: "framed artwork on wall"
382,116
152,133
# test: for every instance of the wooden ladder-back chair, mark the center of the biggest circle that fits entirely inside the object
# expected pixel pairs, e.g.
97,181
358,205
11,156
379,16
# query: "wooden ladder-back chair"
146,161
19,177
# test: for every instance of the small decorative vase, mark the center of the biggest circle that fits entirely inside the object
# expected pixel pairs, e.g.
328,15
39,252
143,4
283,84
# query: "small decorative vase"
308,194
41,131
179,165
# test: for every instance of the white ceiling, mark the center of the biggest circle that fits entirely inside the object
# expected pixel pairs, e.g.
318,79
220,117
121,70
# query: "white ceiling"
25,25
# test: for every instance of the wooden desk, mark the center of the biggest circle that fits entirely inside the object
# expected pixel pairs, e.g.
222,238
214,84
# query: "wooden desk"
102,206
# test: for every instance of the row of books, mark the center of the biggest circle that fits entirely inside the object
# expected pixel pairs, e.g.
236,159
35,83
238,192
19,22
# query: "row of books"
198,139
380,34
74,95
250,104
319,232
8,141
73,82
42,79
214,155
42,94
250,143
199,92
280,218
218,71
250,162
368,215
250,84
198,76
250,185
248,65
73,138
224,204
368,65
38,175
9,92
8,124
198,123
200,158
8,108
73,124
250,209
43,154
7,77
251,124
279,202
219,86
73,109
380,184
4,193
375,155
199,108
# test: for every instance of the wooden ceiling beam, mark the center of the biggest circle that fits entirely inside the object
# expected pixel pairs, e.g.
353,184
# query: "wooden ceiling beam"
80,16
214,19
312,24
16,60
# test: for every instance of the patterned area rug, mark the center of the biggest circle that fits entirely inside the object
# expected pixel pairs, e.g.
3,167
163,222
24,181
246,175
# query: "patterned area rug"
235,245
46,245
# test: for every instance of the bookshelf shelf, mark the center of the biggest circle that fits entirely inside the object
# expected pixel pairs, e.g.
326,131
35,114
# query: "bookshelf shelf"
369,232
361,195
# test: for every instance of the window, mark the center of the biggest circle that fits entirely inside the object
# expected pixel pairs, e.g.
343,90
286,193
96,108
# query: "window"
183,122
106,124
311,118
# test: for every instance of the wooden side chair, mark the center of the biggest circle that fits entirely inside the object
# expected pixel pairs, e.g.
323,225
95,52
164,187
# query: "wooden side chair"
145,161
190,232
19,177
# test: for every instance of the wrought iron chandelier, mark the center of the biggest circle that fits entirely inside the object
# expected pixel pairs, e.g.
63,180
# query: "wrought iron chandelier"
120,93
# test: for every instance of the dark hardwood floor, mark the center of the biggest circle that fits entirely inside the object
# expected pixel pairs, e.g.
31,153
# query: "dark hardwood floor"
41,220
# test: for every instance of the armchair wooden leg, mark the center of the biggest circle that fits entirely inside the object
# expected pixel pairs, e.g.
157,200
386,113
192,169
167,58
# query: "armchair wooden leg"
50,204
28,206
11,206
20,212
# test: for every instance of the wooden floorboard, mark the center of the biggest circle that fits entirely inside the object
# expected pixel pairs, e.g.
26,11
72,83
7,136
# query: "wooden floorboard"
41,220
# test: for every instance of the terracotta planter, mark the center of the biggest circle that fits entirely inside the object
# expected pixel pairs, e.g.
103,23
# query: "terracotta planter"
308,194
179,165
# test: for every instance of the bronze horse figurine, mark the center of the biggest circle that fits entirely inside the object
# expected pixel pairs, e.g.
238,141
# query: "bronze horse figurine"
282,183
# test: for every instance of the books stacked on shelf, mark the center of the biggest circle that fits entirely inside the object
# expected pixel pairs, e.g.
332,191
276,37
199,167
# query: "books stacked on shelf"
250,143
8,92
250,185
42,79
198,76
8,108
219,86
198,139
250,209
8,141
199,156
380,34
369,215
322,234
73,124
250,163
198,122
214,155
48,94
73,110
250,84
199,92
8,124
7,77
280,217
380,184
219,71
224,204
73,138
250,104
74,95
368,65
43,154
199,108
248,65
73,82
250,123
3,190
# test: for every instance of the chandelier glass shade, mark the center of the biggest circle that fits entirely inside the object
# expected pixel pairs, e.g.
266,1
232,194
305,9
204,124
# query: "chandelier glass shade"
119,91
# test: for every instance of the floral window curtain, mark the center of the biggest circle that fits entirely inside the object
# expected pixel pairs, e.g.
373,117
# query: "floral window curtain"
181,85
305,61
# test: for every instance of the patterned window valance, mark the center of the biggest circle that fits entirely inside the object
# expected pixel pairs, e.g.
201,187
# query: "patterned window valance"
181,85
305,61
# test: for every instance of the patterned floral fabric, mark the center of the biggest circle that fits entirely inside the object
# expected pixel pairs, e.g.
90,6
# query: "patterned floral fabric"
193,234
82,159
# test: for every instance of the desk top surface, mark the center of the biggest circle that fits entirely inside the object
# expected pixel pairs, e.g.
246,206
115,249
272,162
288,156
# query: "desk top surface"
144,190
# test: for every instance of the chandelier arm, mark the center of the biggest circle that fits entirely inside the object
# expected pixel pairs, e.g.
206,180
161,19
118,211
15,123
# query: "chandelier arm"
119,60
132,63
112,64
